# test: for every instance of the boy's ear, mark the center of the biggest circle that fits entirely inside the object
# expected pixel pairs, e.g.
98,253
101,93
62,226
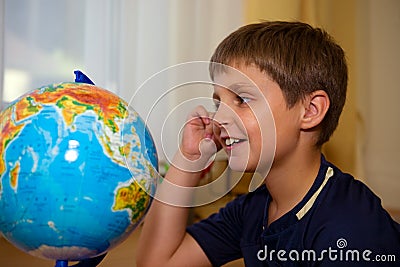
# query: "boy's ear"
315,107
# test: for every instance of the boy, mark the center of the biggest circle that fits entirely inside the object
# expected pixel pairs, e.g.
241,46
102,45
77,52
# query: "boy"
306,212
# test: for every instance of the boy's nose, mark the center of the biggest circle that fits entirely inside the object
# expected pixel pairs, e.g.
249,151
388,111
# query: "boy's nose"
221,116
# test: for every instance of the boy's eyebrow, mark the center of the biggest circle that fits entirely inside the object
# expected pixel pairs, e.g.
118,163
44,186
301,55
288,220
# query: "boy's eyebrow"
235,87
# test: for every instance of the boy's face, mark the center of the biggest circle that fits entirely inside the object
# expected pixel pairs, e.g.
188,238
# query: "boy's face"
256,125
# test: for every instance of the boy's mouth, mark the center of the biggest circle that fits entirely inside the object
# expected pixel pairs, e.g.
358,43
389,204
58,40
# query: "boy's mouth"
229,141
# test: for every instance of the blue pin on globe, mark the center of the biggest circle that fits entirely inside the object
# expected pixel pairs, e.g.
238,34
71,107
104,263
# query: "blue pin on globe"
78,167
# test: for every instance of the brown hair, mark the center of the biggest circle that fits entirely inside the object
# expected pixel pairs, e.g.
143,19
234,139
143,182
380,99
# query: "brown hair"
299,58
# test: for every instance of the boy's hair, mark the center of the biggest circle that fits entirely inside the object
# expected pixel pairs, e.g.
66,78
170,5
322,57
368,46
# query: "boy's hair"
299,58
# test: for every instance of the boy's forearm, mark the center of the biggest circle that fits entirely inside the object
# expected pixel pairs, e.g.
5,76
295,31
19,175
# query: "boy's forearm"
163,241
165,224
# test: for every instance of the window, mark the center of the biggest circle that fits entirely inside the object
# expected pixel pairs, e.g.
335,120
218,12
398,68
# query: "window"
119,44
43,43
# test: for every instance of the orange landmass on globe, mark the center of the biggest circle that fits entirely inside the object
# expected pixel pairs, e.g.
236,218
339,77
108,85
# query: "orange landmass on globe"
74,99
125,149
132,197
70,109
26,108
106,140
8,132
14,176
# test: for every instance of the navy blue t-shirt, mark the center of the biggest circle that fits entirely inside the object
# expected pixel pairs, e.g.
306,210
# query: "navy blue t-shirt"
340,222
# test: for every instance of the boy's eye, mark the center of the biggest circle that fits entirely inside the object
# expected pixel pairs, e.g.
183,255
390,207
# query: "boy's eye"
243,99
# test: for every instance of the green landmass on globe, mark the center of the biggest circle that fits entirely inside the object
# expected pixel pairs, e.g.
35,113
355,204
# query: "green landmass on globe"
78,167
133,198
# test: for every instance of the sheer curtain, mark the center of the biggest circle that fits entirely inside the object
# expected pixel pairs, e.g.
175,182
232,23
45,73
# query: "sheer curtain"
1,51
43,43
118,44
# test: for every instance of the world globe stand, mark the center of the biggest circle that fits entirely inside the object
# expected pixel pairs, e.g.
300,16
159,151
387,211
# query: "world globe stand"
92,262
61,264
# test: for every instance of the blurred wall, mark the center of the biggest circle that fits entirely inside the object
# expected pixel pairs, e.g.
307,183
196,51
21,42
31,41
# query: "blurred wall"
378,56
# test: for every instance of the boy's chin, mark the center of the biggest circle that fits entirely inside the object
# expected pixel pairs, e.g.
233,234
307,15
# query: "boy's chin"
260,169
240,167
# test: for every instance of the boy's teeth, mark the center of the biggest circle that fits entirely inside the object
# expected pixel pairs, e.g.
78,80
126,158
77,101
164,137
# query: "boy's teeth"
230,141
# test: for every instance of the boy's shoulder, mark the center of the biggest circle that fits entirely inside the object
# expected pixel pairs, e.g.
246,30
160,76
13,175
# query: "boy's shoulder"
348,198
351,212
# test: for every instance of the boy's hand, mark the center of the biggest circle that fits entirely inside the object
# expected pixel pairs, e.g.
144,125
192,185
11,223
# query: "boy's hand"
200,141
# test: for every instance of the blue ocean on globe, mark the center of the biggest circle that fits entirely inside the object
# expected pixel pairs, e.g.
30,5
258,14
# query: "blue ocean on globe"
77,172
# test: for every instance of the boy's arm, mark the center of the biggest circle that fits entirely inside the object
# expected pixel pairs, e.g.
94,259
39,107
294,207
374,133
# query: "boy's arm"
164,241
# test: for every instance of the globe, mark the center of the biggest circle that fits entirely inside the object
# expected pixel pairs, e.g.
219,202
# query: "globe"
78,168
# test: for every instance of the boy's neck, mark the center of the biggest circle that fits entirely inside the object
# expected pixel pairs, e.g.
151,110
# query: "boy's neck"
289,180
